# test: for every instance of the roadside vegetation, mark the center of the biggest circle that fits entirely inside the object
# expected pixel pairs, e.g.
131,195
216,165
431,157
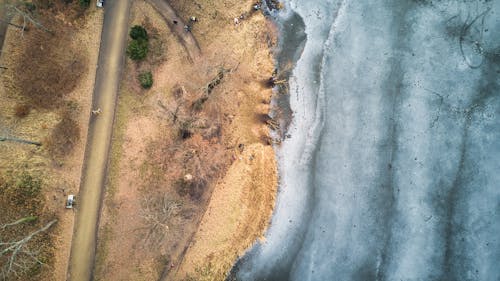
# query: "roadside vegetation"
146,79
64,136
183,164
145,52
138,47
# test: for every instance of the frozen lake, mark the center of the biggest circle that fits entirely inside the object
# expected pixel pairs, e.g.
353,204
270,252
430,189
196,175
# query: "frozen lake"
392,171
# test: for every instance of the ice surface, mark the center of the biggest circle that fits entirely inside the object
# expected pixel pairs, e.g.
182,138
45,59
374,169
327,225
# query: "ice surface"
393,168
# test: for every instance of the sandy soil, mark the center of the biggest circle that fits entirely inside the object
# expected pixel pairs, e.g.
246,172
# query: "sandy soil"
61,176
204,235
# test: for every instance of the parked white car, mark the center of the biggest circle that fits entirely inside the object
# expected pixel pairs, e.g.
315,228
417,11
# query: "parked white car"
100,3
70,201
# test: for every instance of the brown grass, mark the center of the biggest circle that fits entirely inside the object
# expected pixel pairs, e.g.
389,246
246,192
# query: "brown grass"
197,147
47,66
21,110
200,141
157,46
71,8
64,136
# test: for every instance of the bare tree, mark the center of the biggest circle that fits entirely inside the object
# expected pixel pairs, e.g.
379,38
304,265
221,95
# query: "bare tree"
172,109
14,8
16,256
20,141
159,214
19,221
14,25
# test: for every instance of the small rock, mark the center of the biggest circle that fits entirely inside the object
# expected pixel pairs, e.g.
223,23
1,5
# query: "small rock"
188,177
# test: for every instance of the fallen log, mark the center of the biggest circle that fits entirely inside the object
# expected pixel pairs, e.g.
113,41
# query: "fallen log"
21,141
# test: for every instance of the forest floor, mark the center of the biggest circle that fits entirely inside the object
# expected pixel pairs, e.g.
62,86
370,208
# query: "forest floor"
192,176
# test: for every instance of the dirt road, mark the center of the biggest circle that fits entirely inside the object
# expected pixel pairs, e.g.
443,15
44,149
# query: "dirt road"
111,61
186,38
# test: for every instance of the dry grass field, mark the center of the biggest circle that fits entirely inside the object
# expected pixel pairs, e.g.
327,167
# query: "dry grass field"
192,176
45,94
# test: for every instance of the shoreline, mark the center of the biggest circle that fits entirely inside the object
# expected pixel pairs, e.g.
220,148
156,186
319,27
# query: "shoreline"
291,41
290,44
293,156
390,157
221,261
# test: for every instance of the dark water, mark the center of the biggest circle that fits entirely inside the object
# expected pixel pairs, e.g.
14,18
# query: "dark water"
393,168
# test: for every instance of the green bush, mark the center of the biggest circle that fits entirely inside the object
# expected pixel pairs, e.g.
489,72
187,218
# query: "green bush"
138,32
146,80
84,3
137,49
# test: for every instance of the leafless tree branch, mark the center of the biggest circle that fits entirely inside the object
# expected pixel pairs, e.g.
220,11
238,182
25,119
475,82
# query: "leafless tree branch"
19,221
27,17
13,250
159,214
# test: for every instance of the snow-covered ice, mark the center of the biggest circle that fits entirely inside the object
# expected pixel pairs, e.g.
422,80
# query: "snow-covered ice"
393,168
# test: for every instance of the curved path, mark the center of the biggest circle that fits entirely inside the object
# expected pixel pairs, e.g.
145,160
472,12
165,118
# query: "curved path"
186,38
110,64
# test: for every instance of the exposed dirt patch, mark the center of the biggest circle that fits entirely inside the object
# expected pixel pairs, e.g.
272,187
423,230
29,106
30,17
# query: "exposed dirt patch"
127,226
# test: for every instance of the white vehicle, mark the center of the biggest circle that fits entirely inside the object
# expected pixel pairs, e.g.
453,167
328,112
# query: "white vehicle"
100,3
70,201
